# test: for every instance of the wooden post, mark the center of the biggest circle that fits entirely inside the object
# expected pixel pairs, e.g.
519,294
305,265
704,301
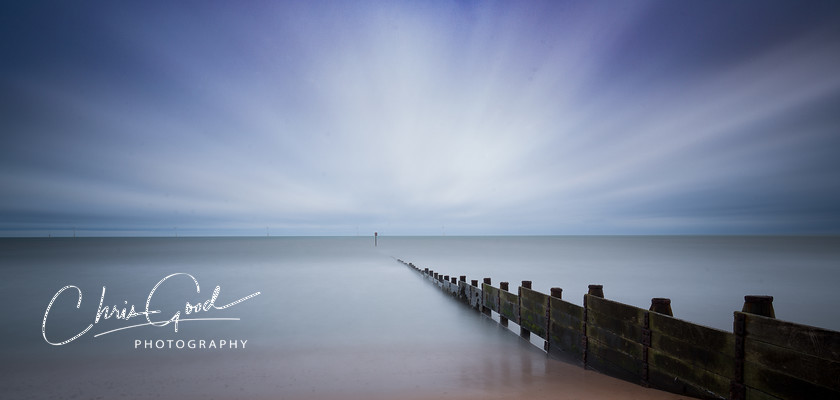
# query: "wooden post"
375,239
503,286
759,305
661,305
557,292
737,390
522,331
596,290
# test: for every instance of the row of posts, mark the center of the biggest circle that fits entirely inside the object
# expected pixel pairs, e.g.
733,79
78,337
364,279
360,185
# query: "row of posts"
759,305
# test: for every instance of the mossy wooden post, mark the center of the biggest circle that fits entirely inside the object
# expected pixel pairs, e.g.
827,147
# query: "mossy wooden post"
522,331
506,287
462,287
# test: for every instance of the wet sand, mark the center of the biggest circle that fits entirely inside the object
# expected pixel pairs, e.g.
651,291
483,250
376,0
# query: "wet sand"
420,372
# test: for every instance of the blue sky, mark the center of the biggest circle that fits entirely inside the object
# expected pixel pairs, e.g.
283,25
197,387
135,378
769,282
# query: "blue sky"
419,118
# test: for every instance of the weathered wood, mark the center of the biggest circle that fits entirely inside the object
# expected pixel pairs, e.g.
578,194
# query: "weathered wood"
713,339
565,340
819,342
491,297
475,298
603,358
782,385
790,362
533,311
566,329
661,305
621,326
753,394
566,314
615,341
663,381
616,310
677,369
698,354
509,305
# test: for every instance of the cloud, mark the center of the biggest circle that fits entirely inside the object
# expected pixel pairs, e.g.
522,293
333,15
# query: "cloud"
404,118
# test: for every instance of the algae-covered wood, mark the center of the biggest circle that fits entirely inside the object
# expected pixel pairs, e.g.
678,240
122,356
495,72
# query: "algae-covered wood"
509,305
616,310
491,297
566,314
619,324
566,329
533,312
603,358
613,340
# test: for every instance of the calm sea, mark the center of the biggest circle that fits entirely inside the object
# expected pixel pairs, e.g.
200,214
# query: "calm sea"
337,316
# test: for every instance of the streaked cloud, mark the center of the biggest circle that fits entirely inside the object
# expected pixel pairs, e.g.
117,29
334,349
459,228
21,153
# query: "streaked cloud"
469,118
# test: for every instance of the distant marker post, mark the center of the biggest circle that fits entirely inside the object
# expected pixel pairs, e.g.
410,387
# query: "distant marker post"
375,239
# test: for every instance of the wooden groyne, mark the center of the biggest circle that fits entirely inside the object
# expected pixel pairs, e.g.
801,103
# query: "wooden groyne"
762,358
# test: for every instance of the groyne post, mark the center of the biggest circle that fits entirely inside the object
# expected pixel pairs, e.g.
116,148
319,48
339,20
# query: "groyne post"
485,310
522,331
661,305
506,287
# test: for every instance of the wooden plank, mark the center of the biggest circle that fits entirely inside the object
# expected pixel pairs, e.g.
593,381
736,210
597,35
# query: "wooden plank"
509,305
676,369
698,353
607,360
790,362
616,310
753,394
475,297
567,341
533,311
713,339
491,297
623,326
657,379
781,385
614,341
806,339
566,314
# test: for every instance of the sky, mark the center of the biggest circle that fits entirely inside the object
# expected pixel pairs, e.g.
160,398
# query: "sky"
159,118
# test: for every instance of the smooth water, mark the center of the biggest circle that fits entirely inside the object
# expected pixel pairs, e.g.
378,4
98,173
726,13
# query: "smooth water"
337,317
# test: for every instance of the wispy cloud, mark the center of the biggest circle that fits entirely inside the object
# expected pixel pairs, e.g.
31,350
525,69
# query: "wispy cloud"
405,118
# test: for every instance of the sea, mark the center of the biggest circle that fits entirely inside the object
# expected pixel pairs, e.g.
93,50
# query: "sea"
340,317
